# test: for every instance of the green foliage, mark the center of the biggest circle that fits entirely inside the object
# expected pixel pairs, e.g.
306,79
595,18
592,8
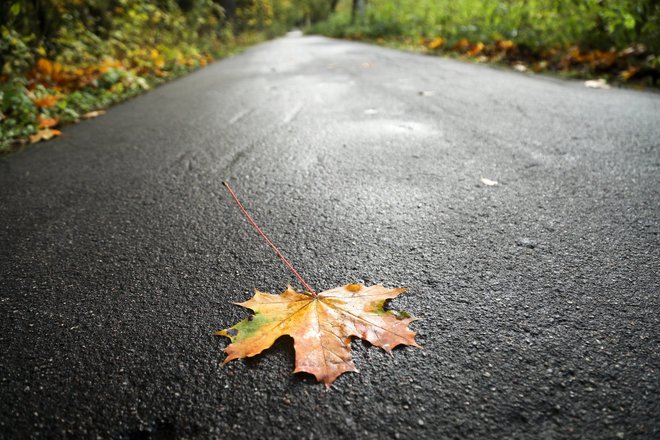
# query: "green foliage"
16,112
83,55
615,40
15,53
536,24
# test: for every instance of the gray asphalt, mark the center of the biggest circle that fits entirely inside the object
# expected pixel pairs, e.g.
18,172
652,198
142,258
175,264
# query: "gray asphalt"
121,253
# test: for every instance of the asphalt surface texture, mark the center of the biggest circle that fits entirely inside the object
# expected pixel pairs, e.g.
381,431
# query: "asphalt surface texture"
121,253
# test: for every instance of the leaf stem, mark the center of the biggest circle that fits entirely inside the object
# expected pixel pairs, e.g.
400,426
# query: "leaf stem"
270,243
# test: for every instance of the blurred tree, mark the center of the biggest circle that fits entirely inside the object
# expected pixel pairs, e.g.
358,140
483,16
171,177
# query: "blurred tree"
357,8
229,7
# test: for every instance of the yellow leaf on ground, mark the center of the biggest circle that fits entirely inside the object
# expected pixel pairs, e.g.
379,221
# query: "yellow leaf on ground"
157,59
476,49
44,135
321,326
44,66
45,122
109,63
504,44
436,43
540,66
629,73
461,44
94,114
47,101
58,73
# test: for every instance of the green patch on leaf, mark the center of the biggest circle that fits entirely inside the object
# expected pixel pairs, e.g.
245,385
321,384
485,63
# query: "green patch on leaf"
247,327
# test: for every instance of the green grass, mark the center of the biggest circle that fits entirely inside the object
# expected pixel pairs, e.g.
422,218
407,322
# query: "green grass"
536,24
545,33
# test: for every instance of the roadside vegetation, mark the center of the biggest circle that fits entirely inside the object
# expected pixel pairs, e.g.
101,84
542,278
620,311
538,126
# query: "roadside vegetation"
613,40
66,60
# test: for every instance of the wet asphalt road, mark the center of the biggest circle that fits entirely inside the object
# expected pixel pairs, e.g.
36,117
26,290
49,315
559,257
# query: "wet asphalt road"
121,253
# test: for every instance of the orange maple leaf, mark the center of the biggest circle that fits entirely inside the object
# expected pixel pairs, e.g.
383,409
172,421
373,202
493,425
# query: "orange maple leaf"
93,114
504,44
476,49
321,326
629,73
45,66
47,101
44,135
45,122
436,43
461,44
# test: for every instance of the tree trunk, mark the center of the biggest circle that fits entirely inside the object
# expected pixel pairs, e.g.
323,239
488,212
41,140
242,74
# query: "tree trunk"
229,6
357,8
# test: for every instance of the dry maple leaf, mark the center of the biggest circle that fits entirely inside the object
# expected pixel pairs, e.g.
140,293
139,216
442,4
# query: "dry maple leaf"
436,43
44,135
504,44
94,114
476,49
47,101
321,326
45,122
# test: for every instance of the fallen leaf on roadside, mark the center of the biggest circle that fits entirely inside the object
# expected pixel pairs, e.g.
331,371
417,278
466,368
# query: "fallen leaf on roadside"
45,122
461,44
629,73
44,135
47,101
321,326
539,66
504,44
597,84
45,66
436,43
476,49
488,182
94,114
